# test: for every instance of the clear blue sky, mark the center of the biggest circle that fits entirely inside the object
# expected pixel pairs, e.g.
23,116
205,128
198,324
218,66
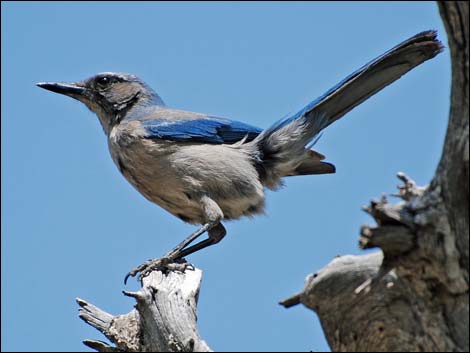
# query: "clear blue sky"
71,224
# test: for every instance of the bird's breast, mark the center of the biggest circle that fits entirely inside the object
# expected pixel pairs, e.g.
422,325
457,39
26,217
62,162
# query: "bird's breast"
145,164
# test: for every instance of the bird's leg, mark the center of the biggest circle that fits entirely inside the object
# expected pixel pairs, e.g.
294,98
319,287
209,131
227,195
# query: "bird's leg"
176,252
164,262
216,234
214,228
169,261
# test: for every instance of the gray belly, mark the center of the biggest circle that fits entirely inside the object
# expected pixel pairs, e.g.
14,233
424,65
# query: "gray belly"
175,177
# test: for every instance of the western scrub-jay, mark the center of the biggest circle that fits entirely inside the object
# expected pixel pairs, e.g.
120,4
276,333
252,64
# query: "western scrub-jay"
205,169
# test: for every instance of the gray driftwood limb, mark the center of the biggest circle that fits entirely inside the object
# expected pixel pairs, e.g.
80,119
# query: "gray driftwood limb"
412,295
164,318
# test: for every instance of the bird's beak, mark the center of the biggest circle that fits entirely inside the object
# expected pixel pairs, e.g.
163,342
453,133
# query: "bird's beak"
74,90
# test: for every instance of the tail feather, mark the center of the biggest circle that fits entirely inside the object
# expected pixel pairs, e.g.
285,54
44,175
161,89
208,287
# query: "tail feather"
282,146
312,166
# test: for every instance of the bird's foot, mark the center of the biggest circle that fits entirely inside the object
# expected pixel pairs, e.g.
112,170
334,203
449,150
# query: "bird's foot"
163,264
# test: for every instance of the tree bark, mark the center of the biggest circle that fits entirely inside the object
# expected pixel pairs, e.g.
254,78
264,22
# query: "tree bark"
413,295
164,319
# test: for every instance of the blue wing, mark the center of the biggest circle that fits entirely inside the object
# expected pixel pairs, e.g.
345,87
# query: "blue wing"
206,130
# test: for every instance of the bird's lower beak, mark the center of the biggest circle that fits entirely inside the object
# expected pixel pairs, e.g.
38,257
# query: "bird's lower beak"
69,89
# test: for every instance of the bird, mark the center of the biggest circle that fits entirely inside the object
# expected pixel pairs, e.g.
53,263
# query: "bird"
205,169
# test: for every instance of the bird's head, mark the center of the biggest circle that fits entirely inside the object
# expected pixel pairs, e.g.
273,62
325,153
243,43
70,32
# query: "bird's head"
110,95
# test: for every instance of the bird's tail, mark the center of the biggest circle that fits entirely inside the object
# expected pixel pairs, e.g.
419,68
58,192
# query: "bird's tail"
284,148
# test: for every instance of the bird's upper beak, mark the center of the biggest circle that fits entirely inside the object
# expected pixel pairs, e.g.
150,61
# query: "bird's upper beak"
74,90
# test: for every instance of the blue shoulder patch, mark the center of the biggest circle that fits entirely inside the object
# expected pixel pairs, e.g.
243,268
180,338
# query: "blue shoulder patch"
206,130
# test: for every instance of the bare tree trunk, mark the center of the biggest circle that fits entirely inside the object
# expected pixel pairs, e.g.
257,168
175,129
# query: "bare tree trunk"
412,296
164,319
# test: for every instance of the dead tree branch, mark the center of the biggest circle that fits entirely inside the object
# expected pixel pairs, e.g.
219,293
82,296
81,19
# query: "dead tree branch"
164,318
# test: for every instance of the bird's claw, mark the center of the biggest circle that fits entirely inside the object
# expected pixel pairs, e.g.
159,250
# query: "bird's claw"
163,264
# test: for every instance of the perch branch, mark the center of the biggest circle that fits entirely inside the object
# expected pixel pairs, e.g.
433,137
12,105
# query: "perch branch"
164,319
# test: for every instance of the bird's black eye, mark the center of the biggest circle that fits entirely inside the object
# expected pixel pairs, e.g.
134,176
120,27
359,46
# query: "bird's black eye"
104,81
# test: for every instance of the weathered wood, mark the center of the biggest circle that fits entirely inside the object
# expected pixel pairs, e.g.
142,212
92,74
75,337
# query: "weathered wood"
164,318
453,170
412,296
